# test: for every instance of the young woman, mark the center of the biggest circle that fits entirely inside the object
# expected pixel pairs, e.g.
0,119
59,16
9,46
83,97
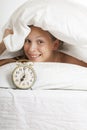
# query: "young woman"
41,46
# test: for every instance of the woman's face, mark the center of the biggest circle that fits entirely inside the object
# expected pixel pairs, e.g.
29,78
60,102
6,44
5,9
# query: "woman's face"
39,46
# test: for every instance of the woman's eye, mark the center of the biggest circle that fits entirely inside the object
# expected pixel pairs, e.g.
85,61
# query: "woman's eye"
27,41
40,41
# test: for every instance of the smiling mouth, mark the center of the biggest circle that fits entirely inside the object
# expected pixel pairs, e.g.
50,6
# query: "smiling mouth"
34,56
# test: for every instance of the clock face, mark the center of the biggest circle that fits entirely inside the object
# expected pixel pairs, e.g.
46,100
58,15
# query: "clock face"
24,77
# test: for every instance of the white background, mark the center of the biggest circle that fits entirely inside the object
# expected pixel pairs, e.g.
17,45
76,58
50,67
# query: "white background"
7,7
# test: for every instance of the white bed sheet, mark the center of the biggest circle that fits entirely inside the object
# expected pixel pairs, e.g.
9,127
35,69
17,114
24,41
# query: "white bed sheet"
43,110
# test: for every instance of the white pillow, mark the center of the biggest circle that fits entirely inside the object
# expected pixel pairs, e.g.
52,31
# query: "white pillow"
49,76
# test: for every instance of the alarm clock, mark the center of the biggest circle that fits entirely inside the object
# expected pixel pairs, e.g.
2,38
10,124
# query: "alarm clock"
24,75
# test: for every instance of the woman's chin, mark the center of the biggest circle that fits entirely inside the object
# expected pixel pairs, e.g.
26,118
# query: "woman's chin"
35,60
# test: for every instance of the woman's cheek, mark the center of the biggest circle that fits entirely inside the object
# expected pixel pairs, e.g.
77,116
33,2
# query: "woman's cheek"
26,47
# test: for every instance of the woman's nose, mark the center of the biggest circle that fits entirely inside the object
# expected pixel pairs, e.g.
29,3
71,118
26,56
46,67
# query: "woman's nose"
32,47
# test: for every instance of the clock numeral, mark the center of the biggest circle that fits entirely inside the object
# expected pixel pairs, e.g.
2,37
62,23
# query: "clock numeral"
27,83
30,80
17,72
16,80
23,84
20,69
15,76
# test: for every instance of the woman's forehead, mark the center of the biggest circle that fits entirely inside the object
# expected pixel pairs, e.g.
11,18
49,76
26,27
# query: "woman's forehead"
38,31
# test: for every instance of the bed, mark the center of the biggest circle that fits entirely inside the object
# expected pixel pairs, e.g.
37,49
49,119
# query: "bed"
57,100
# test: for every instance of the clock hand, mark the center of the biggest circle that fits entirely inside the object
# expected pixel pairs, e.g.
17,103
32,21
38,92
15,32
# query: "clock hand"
22,78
